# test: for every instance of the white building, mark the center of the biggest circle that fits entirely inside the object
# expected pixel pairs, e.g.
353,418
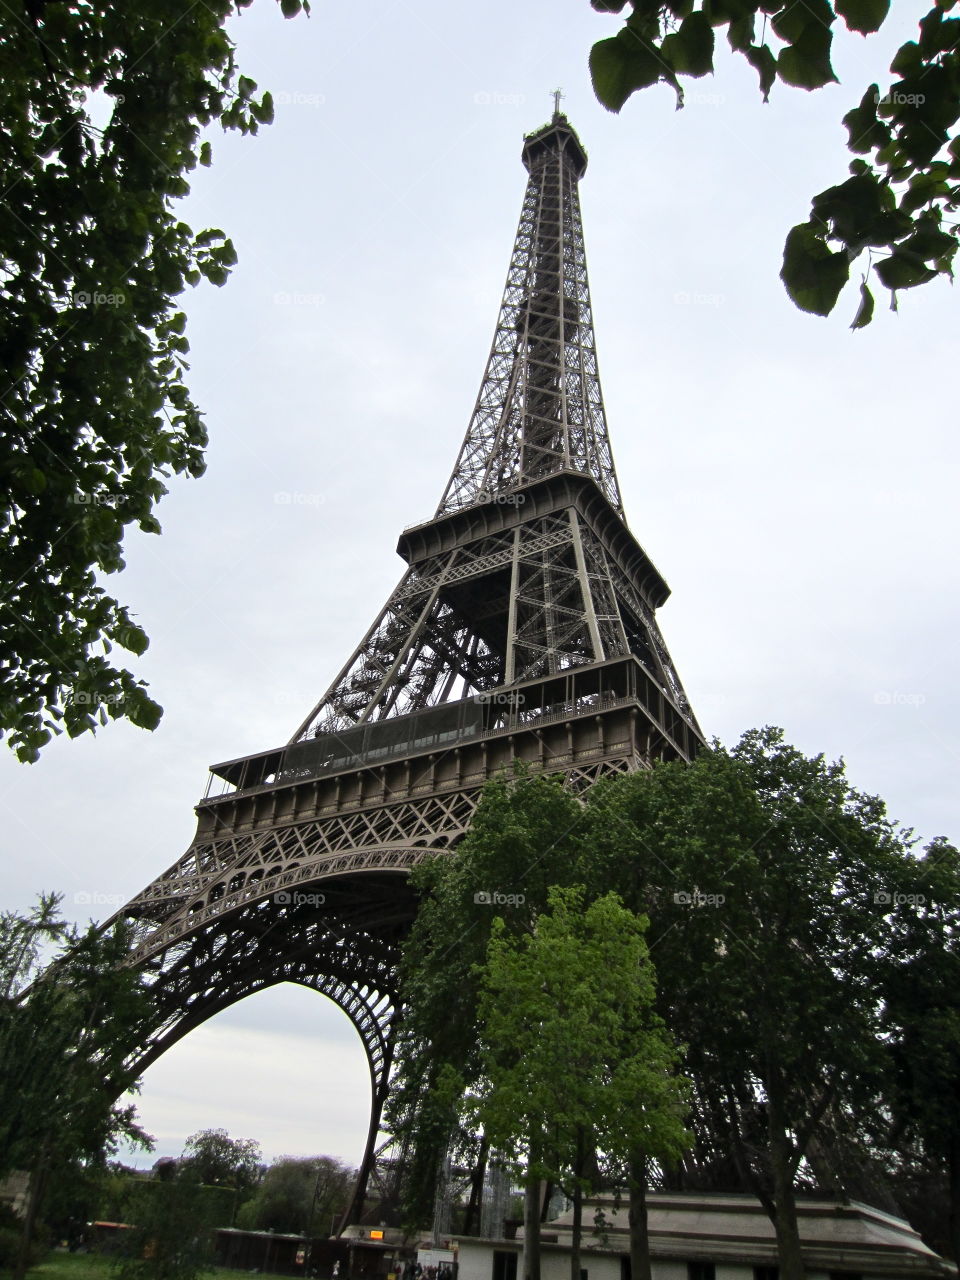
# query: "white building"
719,1236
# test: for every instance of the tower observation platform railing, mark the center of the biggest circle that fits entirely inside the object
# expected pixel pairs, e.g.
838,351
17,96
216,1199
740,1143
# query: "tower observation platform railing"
572,694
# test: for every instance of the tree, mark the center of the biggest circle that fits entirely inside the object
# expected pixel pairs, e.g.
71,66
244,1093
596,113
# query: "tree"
921,1018
299,1195
523,839
100,122
212,1157
172,1238
67,1031
898,203
765,874
573,1062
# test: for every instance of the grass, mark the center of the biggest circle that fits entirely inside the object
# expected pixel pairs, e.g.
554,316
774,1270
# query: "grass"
61,1265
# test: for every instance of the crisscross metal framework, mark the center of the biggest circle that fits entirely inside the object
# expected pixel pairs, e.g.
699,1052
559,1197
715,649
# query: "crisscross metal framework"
523,628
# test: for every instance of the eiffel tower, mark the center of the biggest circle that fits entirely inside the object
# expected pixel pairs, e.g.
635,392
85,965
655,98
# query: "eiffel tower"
523,628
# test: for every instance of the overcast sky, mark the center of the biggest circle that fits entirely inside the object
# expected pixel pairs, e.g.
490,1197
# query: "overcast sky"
794,482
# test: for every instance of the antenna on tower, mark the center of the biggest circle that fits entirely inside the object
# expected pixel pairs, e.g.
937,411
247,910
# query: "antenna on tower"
557,95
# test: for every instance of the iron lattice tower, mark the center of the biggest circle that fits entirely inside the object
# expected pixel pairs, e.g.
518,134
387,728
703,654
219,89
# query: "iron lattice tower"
522,628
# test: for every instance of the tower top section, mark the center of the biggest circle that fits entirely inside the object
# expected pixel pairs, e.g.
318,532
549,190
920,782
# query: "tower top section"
540,408
556,139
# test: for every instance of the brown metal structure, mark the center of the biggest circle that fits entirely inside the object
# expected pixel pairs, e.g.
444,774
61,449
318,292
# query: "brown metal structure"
522,628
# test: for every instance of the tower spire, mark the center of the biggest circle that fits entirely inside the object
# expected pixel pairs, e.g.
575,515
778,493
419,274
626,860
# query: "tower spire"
540,407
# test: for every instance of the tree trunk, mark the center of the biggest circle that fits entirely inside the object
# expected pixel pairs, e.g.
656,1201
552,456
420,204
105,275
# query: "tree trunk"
954,1177
35,1190
637,1219
531,1221
789,1253
471,1223
577,1234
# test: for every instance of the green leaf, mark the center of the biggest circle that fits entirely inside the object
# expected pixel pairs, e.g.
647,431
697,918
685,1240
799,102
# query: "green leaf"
691,46
806,64
133,638
865,130
908,59
865,310
864,16
143,711
263,110
764,63
206,154
930,243
618,67
799,16
901,271
812,274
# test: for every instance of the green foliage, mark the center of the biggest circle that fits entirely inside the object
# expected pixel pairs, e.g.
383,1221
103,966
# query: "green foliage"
100,118
173,1236
65,1033
298,1195
573,1060
212,1157
805,955
901,202
524,838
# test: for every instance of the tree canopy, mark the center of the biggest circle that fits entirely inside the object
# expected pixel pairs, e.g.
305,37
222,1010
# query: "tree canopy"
214,1158
67,1032
898,204
101,114
804,953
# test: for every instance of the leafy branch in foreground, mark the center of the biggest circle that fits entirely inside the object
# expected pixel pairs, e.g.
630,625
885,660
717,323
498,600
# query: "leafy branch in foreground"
898,206
101,113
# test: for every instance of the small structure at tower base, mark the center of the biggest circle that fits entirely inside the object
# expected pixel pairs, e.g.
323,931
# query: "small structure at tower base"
717,1236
